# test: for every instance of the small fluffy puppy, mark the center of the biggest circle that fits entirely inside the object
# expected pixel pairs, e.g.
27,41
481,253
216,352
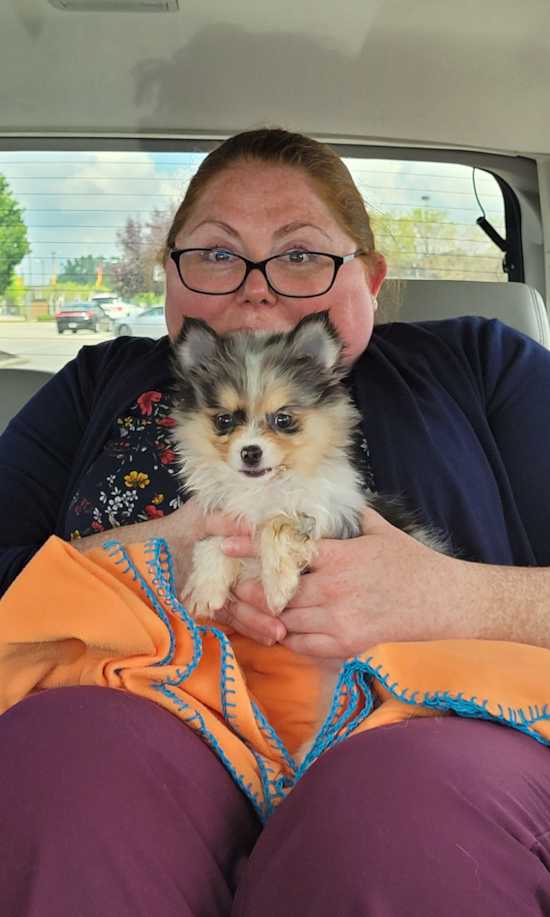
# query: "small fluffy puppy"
265,431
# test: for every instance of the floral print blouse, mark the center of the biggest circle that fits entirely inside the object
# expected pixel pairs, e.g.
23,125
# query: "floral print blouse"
135,477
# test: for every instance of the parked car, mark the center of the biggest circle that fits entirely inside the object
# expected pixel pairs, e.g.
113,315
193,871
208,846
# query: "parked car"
82,316
150,323
115,307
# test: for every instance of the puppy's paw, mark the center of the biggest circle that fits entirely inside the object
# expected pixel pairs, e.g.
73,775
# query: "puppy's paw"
280,582
211,579
286,548
202,601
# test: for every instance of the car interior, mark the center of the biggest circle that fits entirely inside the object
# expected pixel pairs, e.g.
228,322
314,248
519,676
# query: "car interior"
106,107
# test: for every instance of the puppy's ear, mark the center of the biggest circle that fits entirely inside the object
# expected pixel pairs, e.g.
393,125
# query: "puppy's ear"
315,336
196,345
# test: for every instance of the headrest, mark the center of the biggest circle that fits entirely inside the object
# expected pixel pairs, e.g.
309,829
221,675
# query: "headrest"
516,304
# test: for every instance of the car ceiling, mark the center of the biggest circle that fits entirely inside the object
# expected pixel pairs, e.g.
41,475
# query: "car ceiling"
455,73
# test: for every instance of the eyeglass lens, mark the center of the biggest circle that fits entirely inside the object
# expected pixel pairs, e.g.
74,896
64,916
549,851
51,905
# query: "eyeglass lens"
292,274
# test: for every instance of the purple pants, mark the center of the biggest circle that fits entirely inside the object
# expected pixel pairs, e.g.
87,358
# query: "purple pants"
111,807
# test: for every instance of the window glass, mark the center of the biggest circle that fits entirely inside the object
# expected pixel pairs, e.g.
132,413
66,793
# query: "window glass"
424,218
74,226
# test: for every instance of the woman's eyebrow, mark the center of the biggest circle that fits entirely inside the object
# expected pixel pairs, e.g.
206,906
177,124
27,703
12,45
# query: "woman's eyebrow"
221,225
295,226
285,230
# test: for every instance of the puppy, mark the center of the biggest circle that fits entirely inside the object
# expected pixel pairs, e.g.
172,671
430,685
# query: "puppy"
264,432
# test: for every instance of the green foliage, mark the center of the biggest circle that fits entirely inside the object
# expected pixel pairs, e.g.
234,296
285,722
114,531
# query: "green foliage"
14,244
84,271
425,243
13,298
84,290
45,318
14,294
147,299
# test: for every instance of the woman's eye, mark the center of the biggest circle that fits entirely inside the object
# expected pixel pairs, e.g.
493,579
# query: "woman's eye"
300,257
282,421
217,256
224,422
297,257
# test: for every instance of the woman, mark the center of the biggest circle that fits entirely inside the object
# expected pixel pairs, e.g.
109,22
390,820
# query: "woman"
442,817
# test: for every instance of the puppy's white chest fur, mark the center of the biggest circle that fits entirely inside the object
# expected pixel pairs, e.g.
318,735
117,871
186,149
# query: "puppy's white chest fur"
332,496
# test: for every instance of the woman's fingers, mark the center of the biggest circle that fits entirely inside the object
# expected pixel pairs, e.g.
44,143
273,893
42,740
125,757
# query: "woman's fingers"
251,622
251,593
320,646
227,526
237,534
239,546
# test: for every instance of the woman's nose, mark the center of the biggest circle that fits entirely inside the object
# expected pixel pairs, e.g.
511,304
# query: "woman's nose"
256,289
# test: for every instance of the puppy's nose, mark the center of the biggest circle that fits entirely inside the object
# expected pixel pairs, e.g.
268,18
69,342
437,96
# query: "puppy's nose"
251,455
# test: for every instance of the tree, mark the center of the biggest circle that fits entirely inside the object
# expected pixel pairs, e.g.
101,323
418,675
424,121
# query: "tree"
128,273
84,270
140,245
425,243
14,244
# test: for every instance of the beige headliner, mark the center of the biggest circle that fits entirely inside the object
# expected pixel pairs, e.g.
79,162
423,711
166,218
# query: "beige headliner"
459,73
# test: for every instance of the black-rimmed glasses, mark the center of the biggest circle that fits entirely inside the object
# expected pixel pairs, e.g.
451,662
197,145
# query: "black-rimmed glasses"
299,274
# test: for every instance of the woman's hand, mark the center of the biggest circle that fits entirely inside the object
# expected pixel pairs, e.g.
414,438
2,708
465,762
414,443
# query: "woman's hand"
382,586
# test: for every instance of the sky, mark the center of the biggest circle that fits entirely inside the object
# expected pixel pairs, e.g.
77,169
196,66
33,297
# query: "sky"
75,203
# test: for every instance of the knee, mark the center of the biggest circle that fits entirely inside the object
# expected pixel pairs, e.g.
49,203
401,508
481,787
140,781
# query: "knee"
79,717
436,803
421,777
99,747
93,732
399,763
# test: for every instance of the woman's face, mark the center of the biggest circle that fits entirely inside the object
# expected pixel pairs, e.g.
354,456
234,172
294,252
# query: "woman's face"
257,211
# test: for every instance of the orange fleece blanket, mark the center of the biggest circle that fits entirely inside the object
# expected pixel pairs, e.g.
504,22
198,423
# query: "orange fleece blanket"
111,617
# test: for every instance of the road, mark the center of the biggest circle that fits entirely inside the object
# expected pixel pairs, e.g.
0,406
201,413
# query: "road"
40,346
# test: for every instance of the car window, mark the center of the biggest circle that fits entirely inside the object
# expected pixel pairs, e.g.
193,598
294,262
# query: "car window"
424,216
92,224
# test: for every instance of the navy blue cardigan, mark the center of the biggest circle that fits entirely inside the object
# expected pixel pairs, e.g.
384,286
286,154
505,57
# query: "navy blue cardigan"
456,414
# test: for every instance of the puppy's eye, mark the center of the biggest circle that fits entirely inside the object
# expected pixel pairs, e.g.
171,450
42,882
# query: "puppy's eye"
282,420
224,422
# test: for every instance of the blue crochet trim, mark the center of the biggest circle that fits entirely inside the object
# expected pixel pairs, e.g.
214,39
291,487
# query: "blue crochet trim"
462,706
271,736
271,785
200,728
159,564
353,692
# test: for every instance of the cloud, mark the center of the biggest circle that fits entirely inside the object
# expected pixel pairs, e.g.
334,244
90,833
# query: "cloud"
402,185
76,202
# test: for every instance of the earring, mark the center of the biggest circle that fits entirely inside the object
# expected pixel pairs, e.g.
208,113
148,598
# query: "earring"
374,301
